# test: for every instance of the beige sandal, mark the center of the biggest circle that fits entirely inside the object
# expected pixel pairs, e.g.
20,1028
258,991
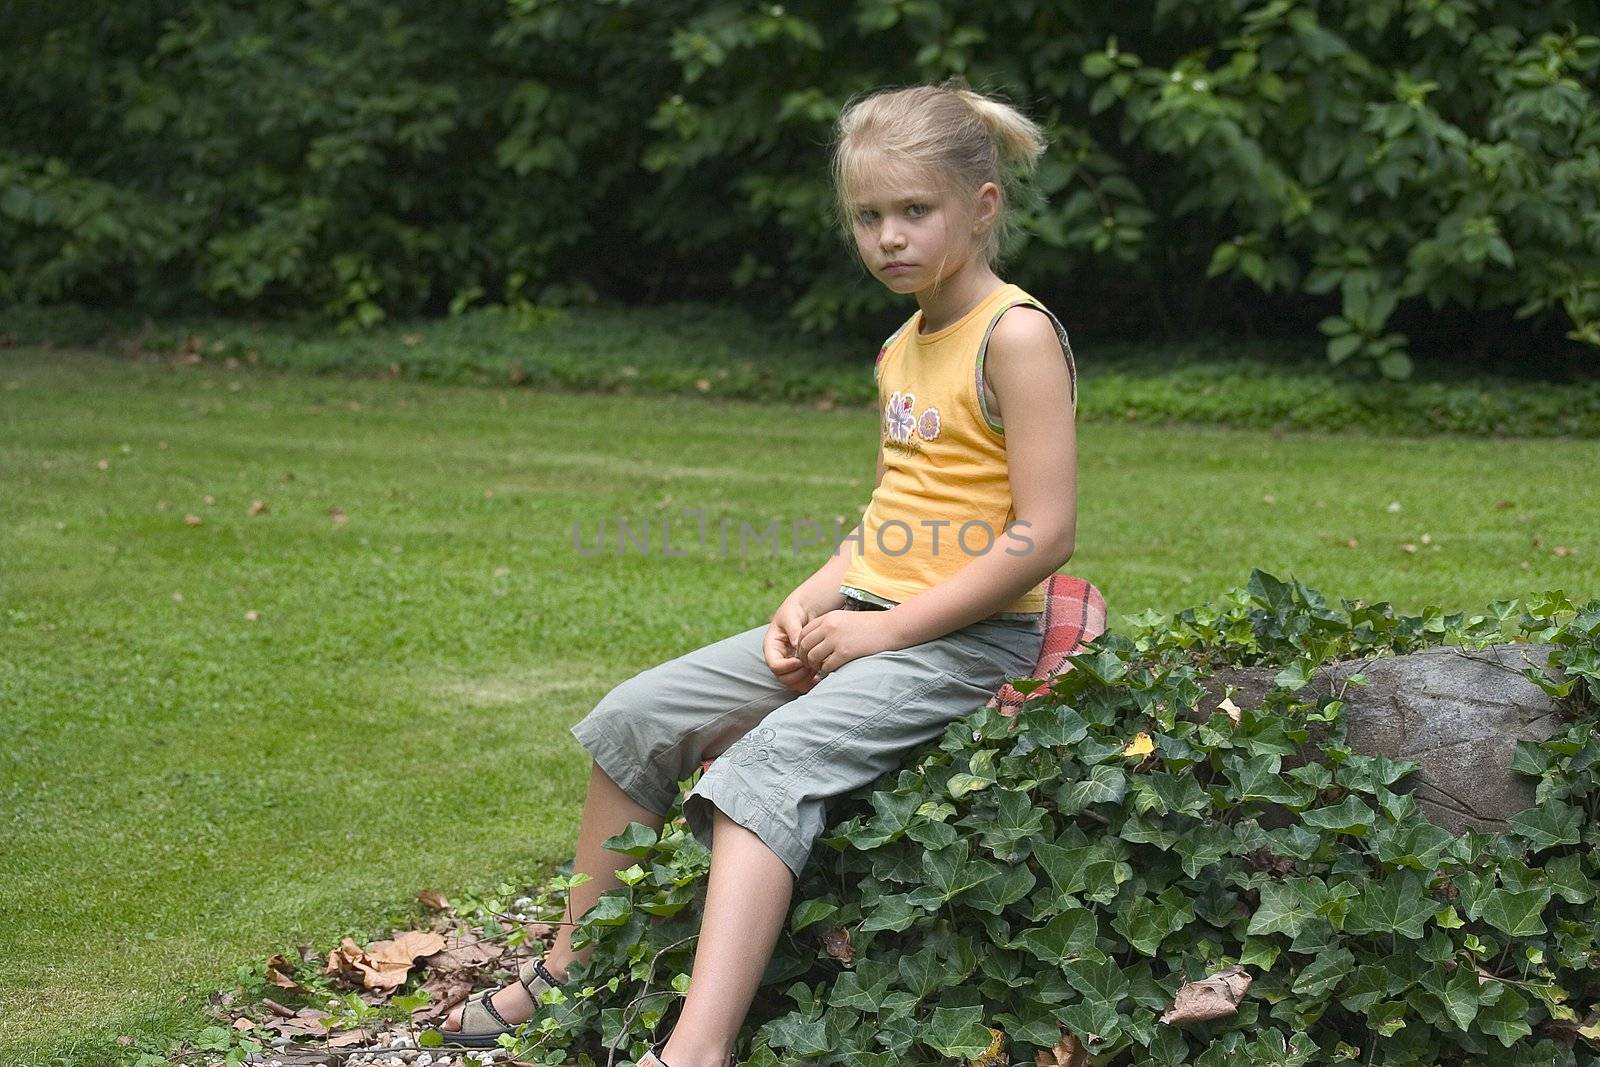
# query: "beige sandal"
482,1025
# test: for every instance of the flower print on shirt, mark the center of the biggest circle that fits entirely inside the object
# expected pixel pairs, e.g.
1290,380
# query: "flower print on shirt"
898,421
928,423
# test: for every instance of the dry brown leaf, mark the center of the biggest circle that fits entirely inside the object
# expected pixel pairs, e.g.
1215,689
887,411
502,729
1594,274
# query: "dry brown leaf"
242,1023
433,900
1068,1052
836,942
192,519
259,507
382,965
278,973
1210,998
1501,505
464,951
337,517
347,1038
1232,709
305,1022
444,991
1561,551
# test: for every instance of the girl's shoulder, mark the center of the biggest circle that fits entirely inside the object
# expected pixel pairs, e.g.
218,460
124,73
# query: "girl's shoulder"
1020,297
888,343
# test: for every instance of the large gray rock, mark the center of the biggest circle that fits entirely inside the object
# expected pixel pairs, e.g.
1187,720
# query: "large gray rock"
1458,713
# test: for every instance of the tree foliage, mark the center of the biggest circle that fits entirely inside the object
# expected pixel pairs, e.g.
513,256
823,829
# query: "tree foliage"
388,156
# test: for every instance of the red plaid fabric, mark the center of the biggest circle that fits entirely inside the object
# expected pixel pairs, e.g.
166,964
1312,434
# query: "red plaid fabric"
1074,615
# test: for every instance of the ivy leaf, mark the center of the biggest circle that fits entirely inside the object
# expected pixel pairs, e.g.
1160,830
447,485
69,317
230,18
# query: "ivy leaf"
800,1036
1351,816
1101,984
1552,823
1457,991
1317,978
1103,785
1517,914
810,911
1506,1018
1068,937
1146,922
1006,887
1565,874
1286,907
1395,905
1257,778
957,1032
893,912
636,841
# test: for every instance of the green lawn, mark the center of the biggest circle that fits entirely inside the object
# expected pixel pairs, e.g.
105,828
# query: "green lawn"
185,791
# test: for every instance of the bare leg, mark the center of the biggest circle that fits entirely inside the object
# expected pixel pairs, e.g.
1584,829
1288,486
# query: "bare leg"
607,811
746,903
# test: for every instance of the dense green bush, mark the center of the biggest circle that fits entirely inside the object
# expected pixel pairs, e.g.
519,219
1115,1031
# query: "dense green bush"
1025,877
376,157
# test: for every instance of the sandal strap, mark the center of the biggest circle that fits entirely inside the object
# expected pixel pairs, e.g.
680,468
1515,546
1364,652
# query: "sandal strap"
488,1005
535,972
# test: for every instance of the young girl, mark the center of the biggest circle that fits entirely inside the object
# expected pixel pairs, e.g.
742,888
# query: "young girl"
932,602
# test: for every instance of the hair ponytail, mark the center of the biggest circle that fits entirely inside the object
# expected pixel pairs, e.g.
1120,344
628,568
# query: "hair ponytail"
1018,140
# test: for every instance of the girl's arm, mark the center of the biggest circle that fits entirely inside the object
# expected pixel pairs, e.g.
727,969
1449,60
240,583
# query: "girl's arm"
1029,373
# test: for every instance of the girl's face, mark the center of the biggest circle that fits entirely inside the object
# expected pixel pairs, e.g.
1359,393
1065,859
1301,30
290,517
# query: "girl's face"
910,223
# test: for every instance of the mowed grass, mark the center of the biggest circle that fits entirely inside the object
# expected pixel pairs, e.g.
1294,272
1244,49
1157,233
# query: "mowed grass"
185,791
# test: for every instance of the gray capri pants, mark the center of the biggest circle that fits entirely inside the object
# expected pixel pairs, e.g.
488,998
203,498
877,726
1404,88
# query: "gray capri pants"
782,755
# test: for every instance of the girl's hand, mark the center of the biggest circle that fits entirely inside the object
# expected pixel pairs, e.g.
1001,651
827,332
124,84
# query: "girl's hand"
834,638
781,651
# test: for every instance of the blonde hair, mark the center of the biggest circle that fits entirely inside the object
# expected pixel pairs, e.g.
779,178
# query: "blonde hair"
949,135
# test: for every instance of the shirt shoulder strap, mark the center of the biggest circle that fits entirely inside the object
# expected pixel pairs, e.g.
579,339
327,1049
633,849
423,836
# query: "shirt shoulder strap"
877,366
1061,336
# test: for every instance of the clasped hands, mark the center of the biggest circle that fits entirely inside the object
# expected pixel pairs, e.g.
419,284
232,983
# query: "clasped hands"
802,649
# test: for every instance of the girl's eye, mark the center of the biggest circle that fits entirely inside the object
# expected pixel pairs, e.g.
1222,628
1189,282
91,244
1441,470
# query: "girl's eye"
921,210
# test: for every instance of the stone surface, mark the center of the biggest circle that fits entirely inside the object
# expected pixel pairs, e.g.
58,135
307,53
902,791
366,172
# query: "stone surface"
1458,713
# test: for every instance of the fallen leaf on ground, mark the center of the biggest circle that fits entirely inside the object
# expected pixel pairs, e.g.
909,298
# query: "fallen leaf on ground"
278,973
1210,998
337,517
433,900
382,964
1068,1052
1231,709
192,520
465,950
307,1022
1141,745
259,507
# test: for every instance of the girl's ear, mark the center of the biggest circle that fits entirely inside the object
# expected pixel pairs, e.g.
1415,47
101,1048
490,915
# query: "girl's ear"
986,207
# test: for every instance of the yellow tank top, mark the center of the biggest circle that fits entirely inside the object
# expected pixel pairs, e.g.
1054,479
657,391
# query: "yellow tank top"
945,497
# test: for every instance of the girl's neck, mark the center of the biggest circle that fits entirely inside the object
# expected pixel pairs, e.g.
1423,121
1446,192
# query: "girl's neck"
960,293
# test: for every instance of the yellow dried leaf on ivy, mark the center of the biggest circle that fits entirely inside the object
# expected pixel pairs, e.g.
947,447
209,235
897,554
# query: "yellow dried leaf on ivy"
1141,745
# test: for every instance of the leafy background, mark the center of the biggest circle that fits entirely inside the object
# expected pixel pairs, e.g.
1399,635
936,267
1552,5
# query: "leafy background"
1358,166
